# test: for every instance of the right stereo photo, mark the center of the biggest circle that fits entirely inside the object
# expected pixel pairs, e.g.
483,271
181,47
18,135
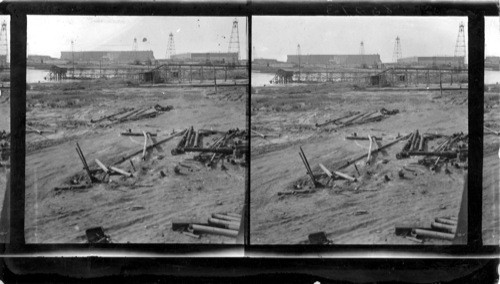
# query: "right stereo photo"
360,130
491,145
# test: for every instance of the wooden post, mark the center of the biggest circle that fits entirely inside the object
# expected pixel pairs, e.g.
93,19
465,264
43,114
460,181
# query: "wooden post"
225,74
225,224
433,234
190,74
215,80
84,162
145,145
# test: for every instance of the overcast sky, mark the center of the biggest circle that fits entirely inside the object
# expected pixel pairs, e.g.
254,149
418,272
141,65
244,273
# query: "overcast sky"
275,37
49,35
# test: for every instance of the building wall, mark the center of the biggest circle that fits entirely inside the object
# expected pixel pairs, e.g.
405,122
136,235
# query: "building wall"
349,60
112,56
429,61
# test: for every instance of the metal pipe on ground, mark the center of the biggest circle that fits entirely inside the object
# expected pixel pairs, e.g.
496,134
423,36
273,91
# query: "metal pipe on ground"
225,217
215,231
446,221
439,226
225,224
433,234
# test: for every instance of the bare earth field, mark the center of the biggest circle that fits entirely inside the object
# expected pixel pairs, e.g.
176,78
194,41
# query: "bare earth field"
361,212
139,209
491,167
4,125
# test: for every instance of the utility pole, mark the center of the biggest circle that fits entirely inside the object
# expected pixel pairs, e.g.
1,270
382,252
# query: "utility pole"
298,55
73,57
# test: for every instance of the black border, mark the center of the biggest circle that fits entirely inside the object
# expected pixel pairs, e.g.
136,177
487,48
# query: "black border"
288,259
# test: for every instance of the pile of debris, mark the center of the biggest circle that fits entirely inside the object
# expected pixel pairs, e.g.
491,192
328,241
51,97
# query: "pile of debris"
336,174
353,118
130,114
102,172
231,145
4,148
453,149
443,228
224,224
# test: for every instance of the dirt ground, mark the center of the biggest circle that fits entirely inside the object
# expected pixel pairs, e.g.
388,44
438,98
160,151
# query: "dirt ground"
130,210
4,125
362,212
491,167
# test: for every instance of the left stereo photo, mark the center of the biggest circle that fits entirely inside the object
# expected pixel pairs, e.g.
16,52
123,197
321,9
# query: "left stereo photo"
135,129
4,125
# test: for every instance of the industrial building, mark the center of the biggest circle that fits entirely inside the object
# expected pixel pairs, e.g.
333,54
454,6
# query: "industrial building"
108,56
348,60
273,63
212,57
432,61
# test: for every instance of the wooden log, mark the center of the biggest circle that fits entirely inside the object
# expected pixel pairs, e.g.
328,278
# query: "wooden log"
433,234
361,138
145,145
360,157
224,224
225,217
450,228
344,176
345,123
102,166
258,134
84,162
136,134
70,187
305,159
191,235
154,141
492,131
293,192
335,120
422,143
369,150
141,113
225,151
111,116
196,139
150,146
121,118
437,154
120,171
307,169
215,231
446,221
327,172
233,214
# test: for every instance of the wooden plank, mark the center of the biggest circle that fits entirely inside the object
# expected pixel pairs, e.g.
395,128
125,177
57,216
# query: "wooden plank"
360,157
327,172
102,166
136,134
344,176
145,145
369,150
307,169
84,162
120,171
149,147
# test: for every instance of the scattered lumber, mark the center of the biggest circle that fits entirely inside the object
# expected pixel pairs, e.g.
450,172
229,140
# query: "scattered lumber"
149,147
137,134
214,230
337,119
362,138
